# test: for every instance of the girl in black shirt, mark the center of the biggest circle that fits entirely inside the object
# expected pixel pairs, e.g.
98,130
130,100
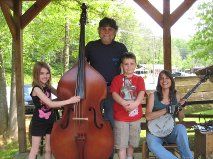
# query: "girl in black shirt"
43,116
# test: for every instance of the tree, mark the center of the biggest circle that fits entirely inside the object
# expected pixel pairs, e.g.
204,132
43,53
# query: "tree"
12,122
4,48
3,97
202,42
66,47
181,54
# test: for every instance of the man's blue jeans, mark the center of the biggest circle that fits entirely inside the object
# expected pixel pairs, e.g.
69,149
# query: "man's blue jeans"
178,136
107,105
108,109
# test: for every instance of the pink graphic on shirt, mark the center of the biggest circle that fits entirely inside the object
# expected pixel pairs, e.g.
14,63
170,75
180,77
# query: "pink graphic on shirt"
43,114
45,110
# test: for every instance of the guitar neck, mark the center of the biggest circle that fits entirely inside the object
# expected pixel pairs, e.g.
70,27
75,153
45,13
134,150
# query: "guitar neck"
192,90
188,94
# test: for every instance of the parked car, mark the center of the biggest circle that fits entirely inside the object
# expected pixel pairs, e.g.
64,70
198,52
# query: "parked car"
141,72
176,74
29,106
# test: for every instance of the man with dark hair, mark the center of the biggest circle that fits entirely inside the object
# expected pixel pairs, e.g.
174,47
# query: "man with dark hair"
108,22
104,55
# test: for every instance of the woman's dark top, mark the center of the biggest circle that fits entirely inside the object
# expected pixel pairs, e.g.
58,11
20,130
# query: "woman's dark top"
158,105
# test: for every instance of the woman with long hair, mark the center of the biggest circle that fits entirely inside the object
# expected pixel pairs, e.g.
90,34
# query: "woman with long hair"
160,103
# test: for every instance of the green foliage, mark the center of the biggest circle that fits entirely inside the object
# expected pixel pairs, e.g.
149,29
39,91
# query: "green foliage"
189,62
5,44
181,54
8,150
44,36
202,42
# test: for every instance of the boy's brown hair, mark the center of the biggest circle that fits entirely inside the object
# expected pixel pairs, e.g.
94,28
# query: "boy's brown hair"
128,55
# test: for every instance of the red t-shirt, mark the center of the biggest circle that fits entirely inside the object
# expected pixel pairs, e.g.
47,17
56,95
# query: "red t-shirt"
120,113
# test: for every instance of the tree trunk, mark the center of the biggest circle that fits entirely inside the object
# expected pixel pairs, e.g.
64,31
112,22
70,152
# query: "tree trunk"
13,125
3,98
66,47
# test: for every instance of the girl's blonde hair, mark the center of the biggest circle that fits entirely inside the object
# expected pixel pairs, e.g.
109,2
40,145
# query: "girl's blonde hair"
36,73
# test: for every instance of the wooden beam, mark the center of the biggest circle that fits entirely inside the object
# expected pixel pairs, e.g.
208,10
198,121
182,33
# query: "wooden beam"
178,12
167,35
9,3
16,24
33,11
8,17
151,10
18,48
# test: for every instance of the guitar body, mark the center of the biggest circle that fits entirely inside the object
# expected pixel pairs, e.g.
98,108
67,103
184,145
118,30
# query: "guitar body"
162,126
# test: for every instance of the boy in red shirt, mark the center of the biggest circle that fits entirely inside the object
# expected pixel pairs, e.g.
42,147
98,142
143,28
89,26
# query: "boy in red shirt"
128,92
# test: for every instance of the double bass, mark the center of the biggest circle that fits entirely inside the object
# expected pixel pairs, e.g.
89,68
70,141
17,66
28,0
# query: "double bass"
82,133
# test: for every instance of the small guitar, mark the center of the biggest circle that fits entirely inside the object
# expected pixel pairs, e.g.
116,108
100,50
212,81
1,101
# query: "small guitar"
163,126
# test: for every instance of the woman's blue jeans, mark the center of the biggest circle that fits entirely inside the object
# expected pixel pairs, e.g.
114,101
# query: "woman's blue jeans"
178,136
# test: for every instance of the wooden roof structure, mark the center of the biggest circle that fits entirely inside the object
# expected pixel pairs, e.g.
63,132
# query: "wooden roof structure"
18,21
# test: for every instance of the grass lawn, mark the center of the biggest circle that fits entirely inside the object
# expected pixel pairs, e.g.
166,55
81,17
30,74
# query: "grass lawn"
8,150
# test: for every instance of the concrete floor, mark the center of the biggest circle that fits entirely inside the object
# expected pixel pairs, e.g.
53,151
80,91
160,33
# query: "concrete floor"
25,156
136,156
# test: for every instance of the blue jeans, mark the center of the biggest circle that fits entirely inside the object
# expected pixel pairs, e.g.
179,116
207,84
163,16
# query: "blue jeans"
107,105
178,136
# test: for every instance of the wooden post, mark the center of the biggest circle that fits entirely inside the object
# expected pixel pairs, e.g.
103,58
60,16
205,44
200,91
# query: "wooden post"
18,47
16,24
166,21
166,35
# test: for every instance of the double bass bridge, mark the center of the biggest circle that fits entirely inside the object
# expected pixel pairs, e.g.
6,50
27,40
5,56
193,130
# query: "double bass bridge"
80,119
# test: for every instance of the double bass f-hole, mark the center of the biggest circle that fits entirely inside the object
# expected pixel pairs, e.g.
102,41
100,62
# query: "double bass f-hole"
65,120
95,121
